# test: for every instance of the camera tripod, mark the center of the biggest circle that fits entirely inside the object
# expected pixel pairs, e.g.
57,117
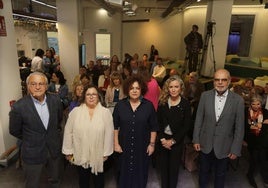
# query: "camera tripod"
208,38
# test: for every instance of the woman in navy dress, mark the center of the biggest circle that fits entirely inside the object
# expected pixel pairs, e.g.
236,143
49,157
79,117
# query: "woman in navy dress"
135,123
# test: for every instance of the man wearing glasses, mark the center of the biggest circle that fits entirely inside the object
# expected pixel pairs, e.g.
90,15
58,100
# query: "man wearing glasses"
35,119
218,129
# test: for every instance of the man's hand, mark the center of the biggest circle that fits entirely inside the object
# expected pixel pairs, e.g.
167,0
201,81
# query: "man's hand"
232,156
197,147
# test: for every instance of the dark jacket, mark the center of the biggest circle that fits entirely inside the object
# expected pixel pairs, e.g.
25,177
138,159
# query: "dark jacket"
25,124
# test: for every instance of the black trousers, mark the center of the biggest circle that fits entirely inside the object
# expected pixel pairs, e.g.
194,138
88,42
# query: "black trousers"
170,164
258,158
84,178
33,172
207,161
192,61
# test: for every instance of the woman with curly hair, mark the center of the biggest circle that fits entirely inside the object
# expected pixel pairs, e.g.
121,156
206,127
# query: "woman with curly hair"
174,118
135,127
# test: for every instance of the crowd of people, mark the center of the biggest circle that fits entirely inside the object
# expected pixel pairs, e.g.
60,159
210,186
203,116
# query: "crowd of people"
129,110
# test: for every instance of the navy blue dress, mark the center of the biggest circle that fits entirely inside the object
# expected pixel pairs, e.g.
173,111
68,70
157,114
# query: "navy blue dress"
135,129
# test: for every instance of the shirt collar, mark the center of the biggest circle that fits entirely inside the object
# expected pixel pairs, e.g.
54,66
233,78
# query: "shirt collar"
222,95
37,101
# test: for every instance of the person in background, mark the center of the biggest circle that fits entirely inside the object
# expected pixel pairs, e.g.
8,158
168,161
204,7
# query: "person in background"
115,64
170,73
134,66
88,138
37,61
174,118
127,59
92,73
76,97
126,72
193,91
159,71
77,78
256,138
153,91
144,62
85,80
154,63
194,43
104,80
48,62
54,55
114,92
135,127
35,119
58,86
218,129
153,53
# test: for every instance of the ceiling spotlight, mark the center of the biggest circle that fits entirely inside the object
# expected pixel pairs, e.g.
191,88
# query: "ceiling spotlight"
198,0
147,10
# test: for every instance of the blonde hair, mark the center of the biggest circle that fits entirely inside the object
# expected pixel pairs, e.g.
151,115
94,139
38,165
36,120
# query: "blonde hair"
113,76
165,90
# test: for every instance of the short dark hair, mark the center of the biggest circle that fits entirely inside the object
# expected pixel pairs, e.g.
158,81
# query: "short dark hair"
129,82
195,26
39,52
100,96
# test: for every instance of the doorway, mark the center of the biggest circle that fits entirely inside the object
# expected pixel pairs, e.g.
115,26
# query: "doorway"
103,47
240,34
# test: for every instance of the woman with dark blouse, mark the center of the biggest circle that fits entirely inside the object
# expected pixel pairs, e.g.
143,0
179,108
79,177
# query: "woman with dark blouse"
135,124
174,118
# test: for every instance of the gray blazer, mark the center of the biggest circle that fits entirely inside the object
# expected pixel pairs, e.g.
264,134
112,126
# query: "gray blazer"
225,136
25,124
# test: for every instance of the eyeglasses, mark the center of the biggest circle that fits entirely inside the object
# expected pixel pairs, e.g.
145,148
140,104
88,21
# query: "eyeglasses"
220,80
94,95
34,84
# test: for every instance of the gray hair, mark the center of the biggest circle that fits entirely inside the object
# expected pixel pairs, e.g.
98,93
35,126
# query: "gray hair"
36,73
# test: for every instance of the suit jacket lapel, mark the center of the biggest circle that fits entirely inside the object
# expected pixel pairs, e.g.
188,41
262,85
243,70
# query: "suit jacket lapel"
212,103
49,106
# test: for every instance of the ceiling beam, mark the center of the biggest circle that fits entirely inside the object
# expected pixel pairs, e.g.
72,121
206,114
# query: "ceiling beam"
173,4
106,6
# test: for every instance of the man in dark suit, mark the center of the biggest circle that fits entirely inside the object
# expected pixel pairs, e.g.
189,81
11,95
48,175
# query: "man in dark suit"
35,119
219,129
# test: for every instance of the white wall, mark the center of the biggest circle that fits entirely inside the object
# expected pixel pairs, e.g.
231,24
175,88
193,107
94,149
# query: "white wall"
9,76
68,36
30,39
165,34
94,20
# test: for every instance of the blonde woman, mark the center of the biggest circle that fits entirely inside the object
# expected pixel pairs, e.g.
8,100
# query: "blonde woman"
114,92
174,118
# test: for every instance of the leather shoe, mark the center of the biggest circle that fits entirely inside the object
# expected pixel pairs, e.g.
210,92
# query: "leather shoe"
252,181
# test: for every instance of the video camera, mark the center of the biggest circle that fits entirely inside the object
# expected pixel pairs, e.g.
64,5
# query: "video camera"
210,26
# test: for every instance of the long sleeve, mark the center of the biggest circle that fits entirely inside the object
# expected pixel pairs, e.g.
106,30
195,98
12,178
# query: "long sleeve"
109,136
15,122
68,145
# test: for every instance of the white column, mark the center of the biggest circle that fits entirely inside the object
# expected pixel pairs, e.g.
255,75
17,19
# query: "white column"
219,11
9,76
68,35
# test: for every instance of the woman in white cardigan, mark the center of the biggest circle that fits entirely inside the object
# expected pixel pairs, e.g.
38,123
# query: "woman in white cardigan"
88,137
